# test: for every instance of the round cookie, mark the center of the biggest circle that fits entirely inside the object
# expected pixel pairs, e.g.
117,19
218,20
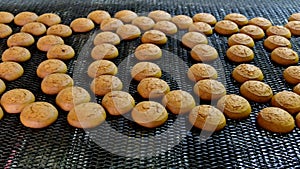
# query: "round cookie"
14,101
205,17
2,86
6,17
294,17
261,22
145,69
34,28
51,66
256,91
128,32
166,27
16,54
54,83
104,51
296,89
69,97
60,30
245,72
102,67
126,16
38,115
294,27
226,27
103,84
61,51
154,36
191,39
179,101
234,106
241,39
279,30
160,15
276,41
118,102
153,88
201,71
201,27
288,101
298,120
98,16
240,54
204,53
86,115
107,37
46,42
10,71
1,113
24,18
82,25
5,30
49,19
207,118
149,114
239,19
143,22
284,56
20,39
209,89
253,31
110,24
292,75
275,120
147,51
182,21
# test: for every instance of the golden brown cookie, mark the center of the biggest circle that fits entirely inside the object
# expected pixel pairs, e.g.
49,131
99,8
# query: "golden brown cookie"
1,113
245,72
51,66
54,83
226,27
128,32
275,120
239,19
126,16
104,51
14,101
143,22
143,70
288,101
16,54
296,89
276,41
240,54
61,51
20,39
5,30
284,56
34,28
256,91
147,51
149,114
294,17
102,67
24,18
98,16
103,84
261,22
86,115
153,88
207,118
107,37
253,31
38,115
6,17
10,71
166,27
292,74
202,71
82,25
279,30
118,102
209,89
182,21
49,19
234,106
191,39
69,97
110,24
241,39
2,86
294,27
179,101
60,30
205,17
46,42
204,53
159,15
298,120
154,36
201,27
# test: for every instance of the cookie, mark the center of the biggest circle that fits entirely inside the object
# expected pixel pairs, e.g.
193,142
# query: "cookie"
276,41
118,102
1,113
107,37
14,101
179,101
261,22
86,115
102,67
205,17
234,106
209,89
82,25
207,118
104,51
239,19
128,32
148,51
103,84
34,28
20,39
6,17
294,27
16,54
201,71
256,91
5,31
275,120
51,66
182,21
296,89
98,16
288,101
279,30
294,17
61,51
153,88
149,114
143,70
284,56
240,54
166,27
69,97
143,22
154,36
2,86
126,16
49,19
226,27
46,42
253,31
160,15
292,75
110,24
204,53
241,39
38,115
60,30
54,83
201,27
245,72
24,18
191,39
10,71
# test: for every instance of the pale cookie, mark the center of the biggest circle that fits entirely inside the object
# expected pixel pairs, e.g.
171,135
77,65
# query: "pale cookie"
294,17
51,66
148,51
240,54
155,37
107,37
204,53
179,101
24,18
2,86
104,51
62,52
298,120
103,84
159,15
82,25
166,27
241,39
145,69
292,74
191,39
253,31
49,19
60,30
296,89
256,91
182,21
54,83
10,71
285,56
245,72
14,101
279,30
276,41
128,32
207,118
48,41
261,22
5,30
118,102
110,24
126,16
288,101
239,19
20,39
98,16
102,67
6,17
226,27
205,17
294,27
38,115
34,28
149,114
16,54
209,89
201,27
153,88
143,22
201,71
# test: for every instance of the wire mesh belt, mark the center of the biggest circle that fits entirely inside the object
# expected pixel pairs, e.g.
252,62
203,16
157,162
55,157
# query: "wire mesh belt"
242,144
